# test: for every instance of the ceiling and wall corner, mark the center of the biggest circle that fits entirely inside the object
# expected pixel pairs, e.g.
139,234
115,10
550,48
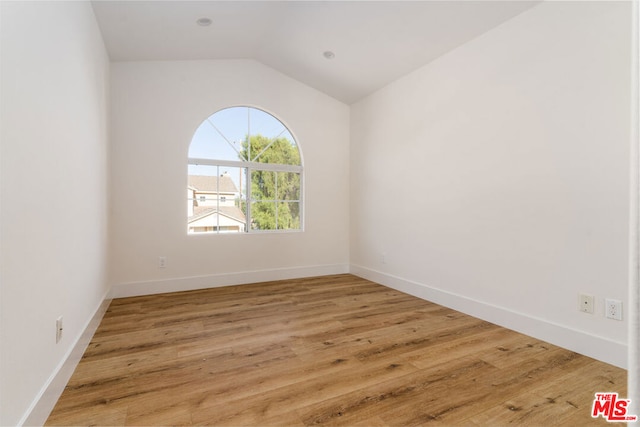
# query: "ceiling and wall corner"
374,42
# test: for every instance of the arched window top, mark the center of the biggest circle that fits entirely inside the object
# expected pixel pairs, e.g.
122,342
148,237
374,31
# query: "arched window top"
244,134
244,174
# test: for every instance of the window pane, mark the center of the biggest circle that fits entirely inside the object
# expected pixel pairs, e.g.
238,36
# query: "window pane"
218,195
265,124
209,142
231,128
232,206
263,185
263,216
202,146
201,217
288,186
288,215
216,199
274,150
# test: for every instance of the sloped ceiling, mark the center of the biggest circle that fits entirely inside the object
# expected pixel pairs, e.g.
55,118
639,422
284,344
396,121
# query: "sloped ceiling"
374,42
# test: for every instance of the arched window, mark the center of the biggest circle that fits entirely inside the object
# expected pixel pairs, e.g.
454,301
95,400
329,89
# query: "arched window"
244,174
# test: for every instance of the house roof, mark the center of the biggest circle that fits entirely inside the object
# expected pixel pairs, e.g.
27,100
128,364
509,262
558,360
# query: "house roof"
232,212
221,184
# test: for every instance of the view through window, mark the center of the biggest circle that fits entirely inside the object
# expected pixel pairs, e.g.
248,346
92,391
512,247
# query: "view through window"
244,174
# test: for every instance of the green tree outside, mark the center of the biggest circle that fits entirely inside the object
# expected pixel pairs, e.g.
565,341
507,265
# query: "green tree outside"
275,196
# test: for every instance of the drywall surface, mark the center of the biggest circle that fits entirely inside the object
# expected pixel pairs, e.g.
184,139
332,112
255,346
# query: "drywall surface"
54,110
156,107
496,178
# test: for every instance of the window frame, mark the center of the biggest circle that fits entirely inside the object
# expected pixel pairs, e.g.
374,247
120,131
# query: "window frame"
250,167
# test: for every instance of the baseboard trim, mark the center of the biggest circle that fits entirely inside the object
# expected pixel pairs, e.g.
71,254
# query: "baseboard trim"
600,348
597,347
53,388
178,284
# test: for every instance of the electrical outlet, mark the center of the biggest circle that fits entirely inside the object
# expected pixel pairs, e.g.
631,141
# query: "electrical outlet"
162,262
613,309
586,303
58,329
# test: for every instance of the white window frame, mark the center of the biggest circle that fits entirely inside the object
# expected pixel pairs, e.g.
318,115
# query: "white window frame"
256,166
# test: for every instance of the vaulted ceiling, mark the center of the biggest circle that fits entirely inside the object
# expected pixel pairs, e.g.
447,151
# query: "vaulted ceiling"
373,42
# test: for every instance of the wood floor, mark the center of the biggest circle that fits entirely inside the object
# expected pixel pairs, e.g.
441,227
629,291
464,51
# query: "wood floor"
334,350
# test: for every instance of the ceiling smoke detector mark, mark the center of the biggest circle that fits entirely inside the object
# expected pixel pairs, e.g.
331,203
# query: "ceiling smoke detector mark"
204,22
328,54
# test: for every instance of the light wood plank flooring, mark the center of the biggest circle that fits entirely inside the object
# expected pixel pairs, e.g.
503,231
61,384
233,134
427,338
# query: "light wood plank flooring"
334,350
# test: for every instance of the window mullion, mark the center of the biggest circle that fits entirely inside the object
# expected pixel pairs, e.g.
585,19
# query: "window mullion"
212,162
248,134
276,167
239,164
225,138
249,202
218,200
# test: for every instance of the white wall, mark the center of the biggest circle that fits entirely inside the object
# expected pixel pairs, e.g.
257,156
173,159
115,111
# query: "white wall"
156,107
508,160
54,89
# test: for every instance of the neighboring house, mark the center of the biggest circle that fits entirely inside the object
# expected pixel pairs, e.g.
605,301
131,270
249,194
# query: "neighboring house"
212,205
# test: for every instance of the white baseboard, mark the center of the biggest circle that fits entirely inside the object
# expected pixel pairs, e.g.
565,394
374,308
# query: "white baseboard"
225,279
600,348
53,388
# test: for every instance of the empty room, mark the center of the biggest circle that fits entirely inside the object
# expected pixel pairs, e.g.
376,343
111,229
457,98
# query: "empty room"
290,213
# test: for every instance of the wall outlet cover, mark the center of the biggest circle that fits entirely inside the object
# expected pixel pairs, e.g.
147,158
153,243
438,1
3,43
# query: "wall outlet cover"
586,303
58,329
613,309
